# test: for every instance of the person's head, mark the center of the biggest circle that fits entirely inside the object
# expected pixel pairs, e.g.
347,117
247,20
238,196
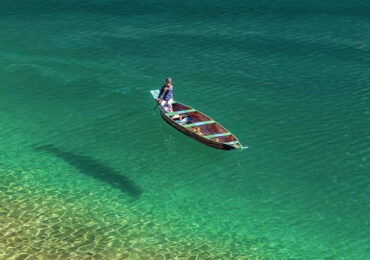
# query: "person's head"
168,81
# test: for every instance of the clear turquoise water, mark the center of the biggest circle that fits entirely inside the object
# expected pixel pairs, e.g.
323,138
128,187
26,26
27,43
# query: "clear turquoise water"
89,171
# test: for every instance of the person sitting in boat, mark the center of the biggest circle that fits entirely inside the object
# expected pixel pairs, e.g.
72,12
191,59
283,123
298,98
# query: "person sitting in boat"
165,97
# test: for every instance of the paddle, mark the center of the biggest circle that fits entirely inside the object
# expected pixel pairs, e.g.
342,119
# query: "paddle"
155,94
156,106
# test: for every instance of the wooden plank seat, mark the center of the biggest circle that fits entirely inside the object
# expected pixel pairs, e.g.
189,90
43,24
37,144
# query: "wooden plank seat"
199,123
231,143
180,112
216,135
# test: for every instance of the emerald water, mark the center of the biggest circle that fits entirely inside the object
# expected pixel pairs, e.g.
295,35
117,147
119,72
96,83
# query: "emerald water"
89,171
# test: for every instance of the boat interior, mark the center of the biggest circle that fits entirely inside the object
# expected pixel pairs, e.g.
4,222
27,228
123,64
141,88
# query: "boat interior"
201,124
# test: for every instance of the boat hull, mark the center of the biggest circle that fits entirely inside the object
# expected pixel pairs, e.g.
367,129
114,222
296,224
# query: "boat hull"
195,136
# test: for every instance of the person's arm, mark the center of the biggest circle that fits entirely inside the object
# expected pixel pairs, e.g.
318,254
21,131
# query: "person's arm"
161,93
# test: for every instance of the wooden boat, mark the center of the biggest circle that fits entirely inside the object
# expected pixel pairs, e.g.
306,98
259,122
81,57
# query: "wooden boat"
200,127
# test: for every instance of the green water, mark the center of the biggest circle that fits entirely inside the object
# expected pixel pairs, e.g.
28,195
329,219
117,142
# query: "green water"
89,171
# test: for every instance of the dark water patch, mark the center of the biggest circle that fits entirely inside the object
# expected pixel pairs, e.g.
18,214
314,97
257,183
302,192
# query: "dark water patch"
94,168
193,8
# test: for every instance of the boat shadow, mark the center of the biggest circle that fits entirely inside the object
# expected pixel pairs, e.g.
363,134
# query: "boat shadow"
94,168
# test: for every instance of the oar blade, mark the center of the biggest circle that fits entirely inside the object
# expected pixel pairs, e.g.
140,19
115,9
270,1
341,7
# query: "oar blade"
155,93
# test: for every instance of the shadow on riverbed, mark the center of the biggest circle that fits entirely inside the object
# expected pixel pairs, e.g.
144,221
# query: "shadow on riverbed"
94,168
